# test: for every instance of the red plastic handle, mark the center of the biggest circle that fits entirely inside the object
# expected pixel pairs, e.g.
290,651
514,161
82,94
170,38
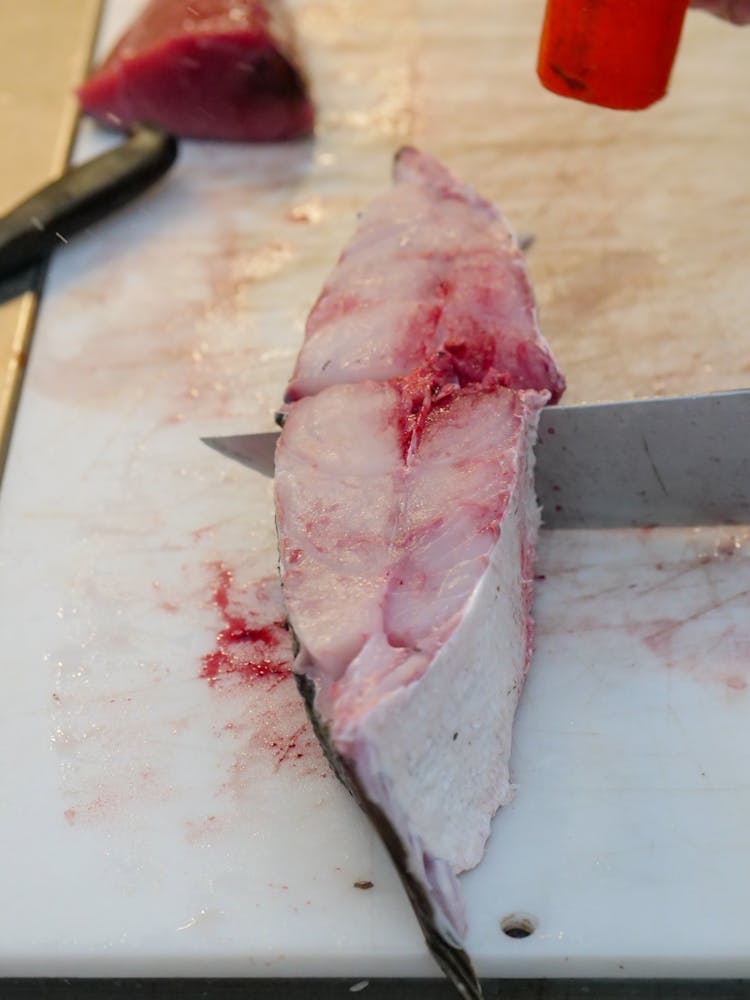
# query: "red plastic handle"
617,53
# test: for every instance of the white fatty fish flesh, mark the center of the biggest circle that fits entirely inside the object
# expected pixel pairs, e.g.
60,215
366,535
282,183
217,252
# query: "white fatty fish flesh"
432,267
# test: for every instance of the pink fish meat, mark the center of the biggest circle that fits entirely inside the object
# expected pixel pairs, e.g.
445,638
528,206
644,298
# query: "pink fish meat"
432,267
407,519
205,69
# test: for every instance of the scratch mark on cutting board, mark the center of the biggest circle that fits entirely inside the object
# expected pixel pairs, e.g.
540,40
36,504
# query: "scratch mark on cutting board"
684,600
652,463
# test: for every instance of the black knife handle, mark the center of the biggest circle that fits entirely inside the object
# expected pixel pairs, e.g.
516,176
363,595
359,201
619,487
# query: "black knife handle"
84,195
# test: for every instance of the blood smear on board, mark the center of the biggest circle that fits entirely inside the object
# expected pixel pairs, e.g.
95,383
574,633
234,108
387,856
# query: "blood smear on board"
254,643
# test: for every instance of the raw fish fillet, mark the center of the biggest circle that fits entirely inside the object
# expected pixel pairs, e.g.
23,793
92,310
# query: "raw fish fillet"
205,69
407,520
432,267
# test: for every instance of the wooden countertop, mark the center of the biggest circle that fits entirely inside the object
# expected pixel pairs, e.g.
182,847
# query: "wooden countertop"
44,52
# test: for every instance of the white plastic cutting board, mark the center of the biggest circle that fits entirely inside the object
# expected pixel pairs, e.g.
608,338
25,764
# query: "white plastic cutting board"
157,824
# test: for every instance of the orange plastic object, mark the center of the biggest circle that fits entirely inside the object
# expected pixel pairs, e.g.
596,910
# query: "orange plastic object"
617,53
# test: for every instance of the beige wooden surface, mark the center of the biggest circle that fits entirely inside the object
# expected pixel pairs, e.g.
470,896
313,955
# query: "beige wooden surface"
44,51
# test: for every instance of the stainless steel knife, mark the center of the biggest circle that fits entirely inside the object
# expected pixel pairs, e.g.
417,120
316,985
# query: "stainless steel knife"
682,460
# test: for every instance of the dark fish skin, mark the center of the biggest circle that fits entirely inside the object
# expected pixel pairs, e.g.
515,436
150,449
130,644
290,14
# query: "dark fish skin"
454,961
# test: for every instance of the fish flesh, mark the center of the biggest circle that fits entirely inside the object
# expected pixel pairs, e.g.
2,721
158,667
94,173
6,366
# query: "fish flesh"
205,69
736,11
407,520
432,267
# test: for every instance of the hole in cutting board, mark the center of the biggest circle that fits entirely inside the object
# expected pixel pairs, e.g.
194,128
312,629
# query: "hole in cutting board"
518,925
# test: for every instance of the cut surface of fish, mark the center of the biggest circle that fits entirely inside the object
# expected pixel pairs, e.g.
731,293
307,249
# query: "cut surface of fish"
407,521
432,267
211,69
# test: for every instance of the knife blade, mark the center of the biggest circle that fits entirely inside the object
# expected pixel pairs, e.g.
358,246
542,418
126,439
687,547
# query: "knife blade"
673,461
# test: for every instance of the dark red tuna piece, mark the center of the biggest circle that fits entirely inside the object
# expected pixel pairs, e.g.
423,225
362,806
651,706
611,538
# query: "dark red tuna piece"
205,69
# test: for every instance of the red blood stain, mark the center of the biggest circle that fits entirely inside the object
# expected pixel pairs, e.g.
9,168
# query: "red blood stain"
291,747
279,733
247,646
252,664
